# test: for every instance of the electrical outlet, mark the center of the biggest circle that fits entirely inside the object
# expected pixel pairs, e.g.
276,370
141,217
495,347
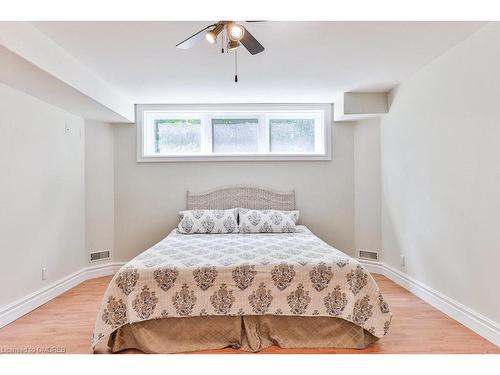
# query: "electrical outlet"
44,273
403,262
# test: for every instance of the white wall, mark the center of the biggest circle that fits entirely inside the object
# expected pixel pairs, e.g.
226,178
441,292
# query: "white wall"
99,187
148,196
41,194
367,215
440,158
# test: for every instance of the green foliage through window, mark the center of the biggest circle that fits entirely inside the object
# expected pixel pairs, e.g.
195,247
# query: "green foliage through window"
235,135
177,136
294,135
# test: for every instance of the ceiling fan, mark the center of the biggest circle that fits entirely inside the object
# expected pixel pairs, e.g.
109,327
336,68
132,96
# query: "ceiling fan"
232,35
235,33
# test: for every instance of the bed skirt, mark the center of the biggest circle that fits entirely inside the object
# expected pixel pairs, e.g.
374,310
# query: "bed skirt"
248,333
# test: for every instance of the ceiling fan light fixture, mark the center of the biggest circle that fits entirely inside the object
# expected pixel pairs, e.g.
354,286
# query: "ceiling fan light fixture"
233,44
212,35
236,31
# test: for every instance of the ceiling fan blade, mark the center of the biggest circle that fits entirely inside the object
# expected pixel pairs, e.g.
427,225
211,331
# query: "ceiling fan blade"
193,39
250,43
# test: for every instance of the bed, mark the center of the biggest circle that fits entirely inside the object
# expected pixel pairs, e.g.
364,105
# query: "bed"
247,291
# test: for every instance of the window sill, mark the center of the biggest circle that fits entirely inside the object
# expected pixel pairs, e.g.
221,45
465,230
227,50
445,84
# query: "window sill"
216,158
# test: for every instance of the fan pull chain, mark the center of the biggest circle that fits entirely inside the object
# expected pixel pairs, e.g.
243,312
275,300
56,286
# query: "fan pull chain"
222,41
236,66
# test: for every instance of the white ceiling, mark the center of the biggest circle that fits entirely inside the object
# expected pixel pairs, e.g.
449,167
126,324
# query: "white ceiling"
303,61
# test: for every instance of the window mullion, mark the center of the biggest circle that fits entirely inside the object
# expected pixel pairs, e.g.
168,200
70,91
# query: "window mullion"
263,134
207,134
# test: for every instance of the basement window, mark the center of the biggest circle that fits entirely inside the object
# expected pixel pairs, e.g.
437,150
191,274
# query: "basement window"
233,132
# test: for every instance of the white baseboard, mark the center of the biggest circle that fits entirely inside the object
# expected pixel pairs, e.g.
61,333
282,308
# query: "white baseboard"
26,304
372,266
473,320
101,270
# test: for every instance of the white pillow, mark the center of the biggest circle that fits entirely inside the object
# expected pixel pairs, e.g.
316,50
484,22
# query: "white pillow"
267,221
208,221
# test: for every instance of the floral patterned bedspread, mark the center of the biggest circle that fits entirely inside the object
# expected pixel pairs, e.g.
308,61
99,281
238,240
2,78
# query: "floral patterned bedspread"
242,274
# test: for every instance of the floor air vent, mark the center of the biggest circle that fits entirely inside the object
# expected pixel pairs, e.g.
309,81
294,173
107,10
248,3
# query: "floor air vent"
100,255
368,254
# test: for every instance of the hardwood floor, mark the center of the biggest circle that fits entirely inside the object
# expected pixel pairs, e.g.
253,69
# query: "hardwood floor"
67,321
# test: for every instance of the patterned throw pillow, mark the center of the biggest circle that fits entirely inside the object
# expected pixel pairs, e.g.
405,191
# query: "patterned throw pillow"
208,221
267,221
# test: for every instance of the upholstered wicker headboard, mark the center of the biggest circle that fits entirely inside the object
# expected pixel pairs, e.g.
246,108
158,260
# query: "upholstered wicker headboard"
241,196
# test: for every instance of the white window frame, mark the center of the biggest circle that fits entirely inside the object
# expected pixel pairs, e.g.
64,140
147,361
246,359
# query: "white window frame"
321,112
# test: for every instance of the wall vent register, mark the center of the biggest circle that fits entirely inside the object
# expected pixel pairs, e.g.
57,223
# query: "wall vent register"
100,255
368,254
